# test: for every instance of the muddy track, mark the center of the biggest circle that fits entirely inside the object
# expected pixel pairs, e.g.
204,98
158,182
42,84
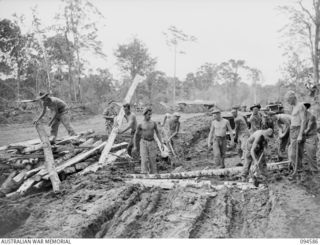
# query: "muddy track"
101,205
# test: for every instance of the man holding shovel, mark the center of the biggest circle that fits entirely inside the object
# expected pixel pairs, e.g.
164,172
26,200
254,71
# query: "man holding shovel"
256,145
60,114
297,127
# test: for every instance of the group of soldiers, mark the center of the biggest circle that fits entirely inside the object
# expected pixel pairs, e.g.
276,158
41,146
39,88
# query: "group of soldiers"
297,131
142,138
143,135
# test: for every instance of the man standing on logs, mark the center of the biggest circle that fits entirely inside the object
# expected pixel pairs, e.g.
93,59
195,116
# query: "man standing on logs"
255,153
255,119
218,131
297,127
241,132
283,122
60,110
148,146
311,142
132,120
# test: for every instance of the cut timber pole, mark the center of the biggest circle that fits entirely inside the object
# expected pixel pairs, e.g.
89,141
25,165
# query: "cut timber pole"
81,157
205,173
49,161
118,121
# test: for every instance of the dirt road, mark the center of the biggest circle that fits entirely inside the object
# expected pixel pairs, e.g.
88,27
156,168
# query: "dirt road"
103,205
16,133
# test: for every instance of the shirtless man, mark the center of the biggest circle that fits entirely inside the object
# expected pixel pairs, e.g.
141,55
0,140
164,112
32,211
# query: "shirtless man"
311,142
283,122
218,132
60,114
241,132
255,119
297,127
131,118
148,145
256,144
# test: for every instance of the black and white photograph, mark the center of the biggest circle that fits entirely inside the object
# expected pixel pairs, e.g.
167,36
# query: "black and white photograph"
151,119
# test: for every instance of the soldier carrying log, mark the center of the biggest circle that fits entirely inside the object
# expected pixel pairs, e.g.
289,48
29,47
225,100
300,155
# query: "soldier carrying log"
60,114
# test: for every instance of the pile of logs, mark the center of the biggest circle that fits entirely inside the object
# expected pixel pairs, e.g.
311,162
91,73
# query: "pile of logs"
31,164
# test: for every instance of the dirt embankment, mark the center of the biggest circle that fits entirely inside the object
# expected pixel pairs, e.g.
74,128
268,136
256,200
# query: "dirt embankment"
101,205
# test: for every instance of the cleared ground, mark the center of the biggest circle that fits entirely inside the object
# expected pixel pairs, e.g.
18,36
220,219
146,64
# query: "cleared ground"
103,205
20,132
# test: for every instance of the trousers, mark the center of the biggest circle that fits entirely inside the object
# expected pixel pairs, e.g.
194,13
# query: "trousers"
148,156
310,153
219,150
65,120
295,148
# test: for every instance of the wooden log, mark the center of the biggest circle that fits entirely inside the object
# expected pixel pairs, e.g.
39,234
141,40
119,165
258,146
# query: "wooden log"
69,139
5,185
118,121
82,165
88,143
49,160
110,159
20,177
25,186
169,184
205,173
28,143
69,170
78,158
32,148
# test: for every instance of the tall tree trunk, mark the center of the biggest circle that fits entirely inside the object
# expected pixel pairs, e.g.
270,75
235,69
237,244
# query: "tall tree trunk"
18,82
79,91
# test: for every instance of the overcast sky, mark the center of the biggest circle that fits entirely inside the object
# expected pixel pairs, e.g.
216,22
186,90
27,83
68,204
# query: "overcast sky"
225,29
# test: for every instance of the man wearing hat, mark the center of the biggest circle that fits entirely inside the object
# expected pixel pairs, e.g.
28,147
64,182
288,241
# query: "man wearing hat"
148,147
311,142
132,124
255,119
297,127
218,131
241,132
60,110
